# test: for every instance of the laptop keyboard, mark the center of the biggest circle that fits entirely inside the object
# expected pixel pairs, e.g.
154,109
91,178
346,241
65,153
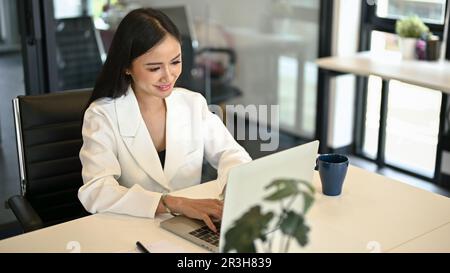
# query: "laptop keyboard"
207,235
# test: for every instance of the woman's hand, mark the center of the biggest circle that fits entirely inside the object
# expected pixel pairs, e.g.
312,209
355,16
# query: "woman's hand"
202,209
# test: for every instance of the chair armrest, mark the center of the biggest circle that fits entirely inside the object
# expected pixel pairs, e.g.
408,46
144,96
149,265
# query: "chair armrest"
25,213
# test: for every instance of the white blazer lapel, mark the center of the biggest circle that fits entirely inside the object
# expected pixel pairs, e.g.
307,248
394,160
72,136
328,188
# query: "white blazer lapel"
176,135
137,138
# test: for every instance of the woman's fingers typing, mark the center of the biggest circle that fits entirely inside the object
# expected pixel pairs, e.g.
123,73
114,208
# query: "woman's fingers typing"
209,222
206,210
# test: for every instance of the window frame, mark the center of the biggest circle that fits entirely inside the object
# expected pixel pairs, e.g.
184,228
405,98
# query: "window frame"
371,22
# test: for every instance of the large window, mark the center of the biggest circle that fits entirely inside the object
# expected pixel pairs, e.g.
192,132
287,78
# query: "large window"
431,11
413,112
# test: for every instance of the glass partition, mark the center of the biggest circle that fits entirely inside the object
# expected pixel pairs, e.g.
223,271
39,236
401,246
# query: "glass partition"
275,44
254,52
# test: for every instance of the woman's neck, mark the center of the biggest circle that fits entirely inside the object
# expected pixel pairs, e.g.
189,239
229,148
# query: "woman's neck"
149,103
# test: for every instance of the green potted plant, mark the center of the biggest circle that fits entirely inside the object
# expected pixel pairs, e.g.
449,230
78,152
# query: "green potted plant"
259,230
409,30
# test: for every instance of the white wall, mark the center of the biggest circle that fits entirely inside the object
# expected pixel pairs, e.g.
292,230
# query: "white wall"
342,89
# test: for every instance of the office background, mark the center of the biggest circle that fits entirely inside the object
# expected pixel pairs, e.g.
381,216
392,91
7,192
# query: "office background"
275,42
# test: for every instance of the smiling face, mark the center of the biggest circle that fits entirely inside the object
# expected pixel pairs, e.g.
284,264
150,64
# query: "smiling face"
155,72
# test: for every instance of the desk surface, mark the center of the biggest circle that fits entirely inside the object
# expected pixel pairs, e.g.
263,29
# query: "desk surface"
437,240
390,66
372,210
105,232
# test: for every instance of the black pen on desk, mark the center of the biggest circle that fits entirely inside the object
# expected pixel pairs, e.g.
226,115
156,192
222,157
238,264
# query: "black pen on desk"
141,247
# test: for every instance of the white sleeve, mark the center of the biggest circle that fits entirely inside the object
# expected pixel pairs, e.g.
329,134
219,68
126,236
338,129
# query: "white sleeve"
221,149
101,192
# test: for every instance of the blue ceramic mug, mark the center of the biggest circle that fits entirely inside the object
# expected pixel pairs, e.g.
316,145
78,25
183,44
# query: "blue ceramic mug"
332,171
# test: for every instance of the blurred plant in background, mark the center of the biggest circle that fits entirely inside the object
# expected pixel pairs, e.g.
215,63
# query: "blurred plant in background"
411,27
253,225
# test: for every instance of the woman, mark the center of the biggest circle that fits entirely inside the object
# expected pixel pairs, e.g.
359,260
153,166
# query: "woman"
143,138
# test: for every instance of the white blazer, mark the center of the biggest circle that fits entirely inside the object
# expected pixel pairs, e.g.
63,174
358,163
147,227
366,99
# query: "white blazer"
122,172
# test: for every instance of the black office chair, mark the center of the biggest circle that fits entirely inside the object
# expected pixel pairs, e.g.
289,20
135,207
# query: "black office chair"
48,132
79,51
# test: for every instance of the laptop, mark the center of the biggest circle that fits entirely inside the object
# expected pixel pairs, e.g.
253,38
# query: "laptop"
246,188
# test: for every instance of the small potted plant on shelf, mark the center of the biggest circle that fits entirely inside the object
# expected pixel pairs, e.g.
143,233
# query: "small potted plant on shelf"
409,30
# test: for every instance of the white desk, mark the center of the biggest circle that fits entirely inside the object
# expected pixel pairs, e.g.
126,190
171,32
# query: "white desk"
371,210
104,232
437,240
390,66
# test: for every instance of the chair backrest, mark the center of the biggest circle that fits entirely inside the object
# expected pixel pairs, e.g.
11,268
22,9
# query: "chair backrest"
79,52
48,131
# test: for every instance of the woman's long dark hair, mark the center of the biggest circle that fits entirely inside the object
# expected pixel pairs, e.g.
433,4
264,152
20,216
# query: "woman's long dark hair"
139,31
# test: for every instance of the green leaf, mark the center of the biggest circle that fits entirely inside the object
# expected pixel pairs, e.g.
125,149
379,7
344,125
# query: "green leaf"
293,225
290,222
284,188
307,184
251,226
308,201
301,234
